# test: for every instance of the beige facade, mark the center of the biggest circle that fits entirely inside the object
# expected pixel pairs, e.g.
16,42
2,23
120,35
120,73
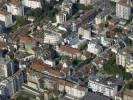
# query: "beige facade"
128,95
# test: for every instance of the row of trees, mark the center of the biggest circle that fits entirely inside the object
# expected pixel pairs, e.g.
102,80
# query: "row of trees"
47,11
78,6
129,85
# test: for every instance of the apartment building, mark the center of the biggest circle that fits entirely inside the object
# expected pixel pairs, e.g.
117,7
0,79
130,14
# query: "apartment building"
108,86
10,85
125,59
61,18
32,3
52,38
15,7
73,90
7,88
84,32
8,67
101,18
129,68
5,18
123,9
67,7
94,47
72,52
65,13
67,89
105,41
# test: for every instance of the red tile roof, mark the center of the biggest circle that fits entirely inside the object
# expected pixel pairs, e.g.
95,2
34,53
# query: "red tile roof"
39,65
69,49
2,44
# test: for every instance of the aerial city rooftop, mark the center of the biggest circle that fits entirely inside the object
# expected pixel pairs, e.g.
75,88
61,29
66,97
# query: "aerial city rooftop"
66,49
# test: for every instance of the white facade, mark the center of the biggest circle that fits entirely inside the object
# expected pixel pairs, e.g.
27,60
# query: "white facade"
7,19
108,86
105,41
104,89
123,10
94,48
121,59
115,0
67,7
74,1
84,33
52,38
2,90
101,18
74,27
129,68
126,60
49,62
3,70
72,92
61,18
32,3
9,86
87,2
15,9
7,67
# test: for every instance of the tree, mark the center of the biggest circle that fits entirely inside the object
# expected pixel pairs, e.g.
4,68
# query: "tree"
20,98
110,66
127,76
48,11
37,12
54,98
20,21
117,30
129,85
29,12
83,46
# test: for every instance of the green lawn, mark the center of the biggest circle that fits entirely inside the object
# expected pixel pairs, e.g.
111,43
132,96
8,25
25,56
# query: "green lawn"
20,98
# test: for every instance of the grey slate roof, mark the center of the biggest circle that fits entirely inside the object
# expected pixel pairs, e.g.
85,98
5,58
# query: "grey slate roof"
95,96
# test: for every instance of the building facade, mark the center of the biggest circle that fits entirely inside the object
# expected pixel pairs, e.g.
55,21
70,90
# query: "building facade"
123,9
61,18
15,7
94,47
125,59
103,85
32,3
6,18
